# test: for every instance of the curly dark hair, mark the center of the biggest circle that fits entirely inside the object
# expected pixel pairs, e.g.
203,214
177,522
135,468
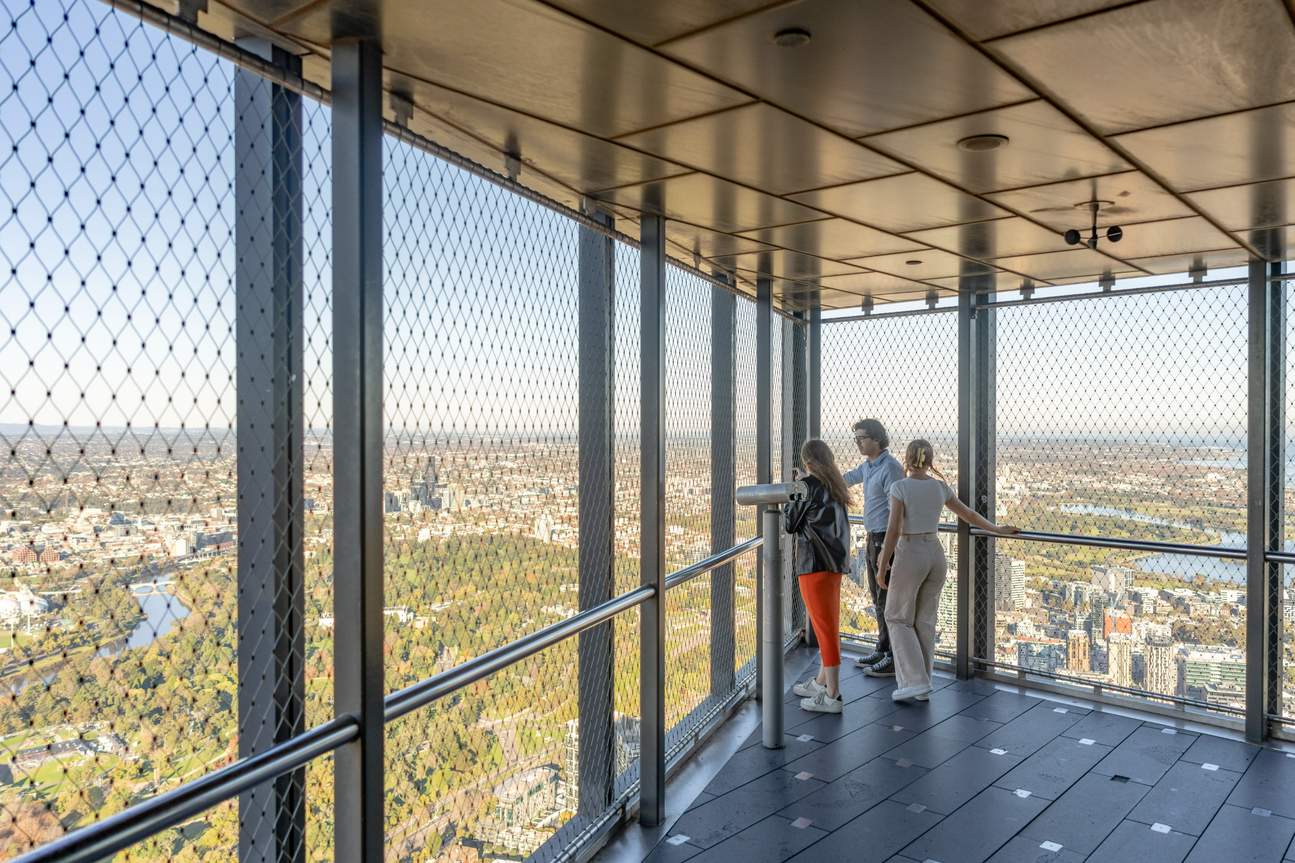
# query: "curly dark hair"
873,429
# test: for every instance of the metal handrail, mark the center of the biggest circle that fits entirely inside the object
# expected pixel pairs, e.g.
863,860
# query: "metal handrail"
98,841
706,564
1219,551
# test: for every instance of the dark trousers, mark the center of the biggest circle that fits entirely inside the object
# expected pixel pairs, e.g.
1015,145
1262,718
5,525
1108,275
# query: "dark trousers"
873,551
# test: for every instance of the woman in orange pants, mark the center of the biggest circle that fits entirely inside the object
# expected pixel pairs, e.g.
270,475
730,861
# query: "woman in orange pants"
821,526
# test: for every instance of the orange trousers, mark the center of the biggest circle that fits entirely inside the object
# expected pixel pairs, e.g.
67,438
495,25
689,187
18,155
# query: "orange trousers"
822,593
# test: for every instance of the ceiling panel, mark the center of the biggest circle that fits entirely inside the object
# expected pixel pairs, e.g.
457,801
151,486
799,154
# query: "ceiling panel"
785,264
705,243
986,19
1259,205
1218,260
908,202
1001,280
1052,266
1170,237
1220,151
1132,197
764,147
650,23
995,238
582,161
1162,61
529,56
924,264
1117,274
867,67
877,284
833,238
1042,147
711,202
830,300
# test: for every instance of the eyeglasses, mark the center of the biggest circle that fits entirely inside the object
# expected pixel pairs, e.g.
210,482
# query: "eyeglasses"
862,436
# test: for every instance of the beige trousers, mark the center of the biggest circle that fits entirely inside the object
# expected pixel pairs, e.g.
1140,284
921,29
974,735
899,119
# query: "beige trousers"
917,573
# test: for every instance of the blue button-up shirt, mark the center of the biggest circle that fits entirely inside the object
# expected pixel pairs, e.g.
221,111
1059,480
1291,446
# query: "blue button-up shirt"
876,475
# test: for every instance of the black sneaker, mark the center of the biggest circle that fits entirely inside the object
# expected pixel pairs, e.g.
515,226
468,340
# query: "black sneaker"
871,659
884,668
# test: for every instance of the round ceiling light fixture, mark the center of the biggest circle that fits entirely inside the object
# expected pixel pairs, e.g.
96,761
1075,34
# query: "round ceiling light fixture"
913,262
983,143
791,37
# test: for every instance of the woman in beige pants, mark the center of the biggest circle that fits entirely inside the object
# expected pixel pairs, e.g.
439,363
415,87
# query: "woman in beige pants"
914,582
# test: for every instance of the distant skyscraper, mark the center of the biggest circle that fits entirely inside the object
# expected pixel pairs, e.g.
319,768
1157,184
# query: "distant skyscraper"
1078,652
1119,660
946,619
1162,671
1110,579
1046,655
1009,583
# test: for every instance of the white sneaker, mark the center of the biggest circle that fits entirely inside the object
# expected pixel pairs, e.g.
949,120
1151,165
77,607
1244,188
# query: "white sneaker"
808,689
908,693
822,703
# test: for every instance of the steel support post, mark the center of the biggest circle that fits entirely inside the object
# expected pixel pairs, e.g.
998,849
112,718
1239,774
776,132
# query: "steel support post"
771,632
723,484
652,513
1266,337
271,594
985,365
816,372
799,410
597,506
966,476
764,322
357,435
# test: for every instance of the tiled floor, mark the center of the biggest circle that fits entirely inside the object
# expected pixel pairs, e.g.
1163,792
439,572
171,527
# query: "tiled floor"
981,773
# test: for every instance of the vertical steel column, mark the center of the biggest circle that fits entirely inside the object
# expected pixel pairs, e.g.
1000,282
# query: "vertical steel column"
816,372
357,433
652,526
985,364
723,485
597,507
799,411
271,594
1262,410
763,448
966,475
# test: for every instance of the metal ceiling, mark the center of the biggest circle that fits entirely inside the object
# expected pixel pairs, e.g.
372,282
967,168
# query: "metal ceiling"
835,165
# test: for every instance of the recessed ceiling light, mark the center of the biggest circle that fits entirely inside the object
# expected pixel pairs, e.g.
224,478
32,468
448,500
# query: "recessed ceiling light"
913,262
791,37
981,143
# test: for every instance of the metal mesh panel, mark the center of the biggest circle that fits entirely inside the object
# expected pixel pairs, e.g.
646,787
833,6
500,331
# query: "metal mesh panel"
904,372
747,525
687,418
626,419
1125,417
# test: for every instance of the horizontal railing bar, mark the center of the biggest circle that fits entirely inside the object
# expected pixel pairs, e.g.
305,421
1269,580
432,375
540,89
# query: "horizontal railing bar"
98,841
1141,694
1280,556
715,561
1220,551
440,685
944,526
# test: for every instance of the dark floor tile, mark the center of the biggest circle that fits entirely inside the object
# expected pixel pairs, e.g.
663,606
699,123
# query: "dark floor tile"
1029,732
701,798
957,780
928,749
853,750
977,830
832,726
1227,754
872,837
748,764
1240,836
1022,850
1109,729
672,852
1083,816
861,685
1269,783
975,684
1054,768
1187,798
1132,842
1002,706
1145,755
731,813
967,728
854,793
769,841
921,715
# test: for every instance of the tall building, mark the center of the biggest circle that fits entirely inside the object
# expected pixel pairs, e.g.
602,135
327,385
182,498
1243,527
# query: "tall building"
1009,583
1119,660
1162,671
1045,655
1116,622
946,618
1078,652
1111,579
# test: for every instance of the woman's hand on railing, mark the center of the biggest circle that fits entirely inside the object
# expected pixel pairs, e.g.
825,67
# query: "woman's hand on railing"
1005,529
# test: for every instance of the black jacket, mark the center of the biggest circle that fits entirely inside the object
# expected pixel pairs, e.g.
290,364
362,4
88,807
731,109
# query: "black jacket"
818,514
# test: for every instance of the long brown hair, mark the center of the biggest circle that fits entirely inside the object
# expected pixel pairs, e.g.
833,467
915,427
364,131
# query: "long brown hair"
920,454
818,459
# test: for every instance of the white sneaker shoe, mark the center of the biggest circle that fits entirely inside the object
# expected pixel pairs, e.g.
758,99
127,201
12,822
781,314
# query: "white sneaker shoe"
808,689
909,693
822,703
